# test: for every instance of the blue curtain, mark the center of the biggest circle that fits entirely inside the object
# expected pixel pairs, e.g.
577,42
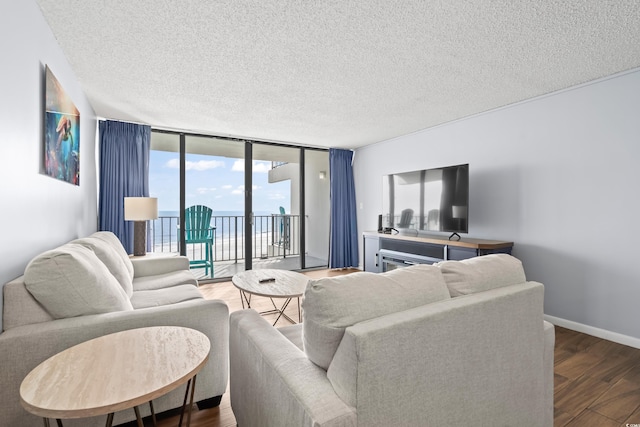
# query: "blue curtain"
343,251
124,172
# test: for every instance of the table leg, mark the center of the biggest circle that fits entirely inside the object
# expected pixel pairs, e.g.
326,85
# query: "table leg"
138,418
244,297
59,422
193,389
184,402
109,422
46,421
191,386
153,414
281,311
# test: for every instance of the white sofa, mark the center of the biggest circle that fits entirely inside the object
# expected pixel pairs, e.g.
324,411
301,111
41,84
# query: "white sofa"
88,288
458,343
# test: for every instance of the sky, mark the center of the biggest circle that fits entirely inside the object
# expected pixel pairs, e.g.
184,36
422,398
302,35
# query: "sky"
217,182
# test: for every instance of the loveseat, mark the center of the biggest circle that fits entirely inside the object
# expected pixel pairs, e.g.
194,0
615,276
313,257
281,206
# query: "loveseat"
88,288
454,344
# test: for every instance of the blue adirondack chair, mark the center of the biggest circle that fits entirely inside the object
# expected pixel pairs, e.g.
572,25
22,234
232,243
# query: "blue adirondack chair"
198,230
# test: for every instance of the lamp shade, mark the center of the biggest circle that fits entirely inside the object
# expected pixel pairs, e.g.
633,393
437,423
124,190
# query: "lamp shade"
140,208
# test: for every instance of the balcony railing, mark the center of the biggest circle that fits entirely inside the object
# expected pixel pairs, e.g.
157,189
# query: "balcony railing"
272,236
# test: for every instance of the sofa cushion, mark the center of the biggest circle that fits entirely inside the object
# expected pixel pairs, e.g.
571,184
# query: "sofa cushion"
481,273
160,297
332,304
115,243
112,259
71,281
167,280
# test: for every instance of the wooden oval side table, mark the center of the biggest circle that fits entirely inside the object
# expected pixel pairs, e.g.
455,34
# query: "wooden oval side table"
115,372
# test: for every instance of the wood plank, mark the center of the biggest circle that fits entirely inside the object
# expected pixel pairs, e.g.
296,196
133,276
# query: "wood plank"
576,365
608,349
579,394
611,369
559,382
576,342
592,419
634,373
560,355
561,418
619,402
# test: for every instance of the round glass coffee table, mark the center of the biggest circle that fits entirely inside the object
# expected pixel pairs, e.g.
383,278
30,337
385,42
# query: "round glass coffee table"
115,372
272,284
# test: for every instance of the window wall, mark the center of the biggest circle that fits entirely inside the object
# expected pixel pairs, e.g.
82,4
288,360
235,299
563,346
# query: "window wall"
269,202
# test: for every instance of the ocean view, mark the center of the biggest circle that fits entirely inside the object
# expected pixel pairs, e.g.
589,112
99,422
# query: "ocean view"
227,224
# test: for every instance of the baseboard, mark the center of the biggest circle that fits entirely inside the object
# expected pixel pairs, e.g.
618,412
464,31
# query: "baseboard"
596,332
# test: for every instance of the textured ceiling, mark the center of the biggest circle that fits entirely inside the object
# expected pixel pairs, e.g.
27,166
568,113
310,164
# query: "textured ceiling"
341,73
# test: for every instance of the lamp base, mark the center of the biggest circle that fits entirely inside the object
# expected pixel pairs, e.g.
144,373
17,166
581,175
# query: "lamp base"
139,238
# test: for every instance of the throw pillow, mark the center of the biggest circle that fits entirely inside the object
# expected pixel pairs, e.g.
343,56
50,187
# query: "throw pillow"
112,259
71,281
334,303
481,273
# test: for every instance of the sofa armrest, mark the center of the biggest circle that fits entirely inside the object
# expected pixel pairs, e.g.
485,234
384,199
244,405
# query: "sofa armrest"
273,383
152,266
482,352
23,348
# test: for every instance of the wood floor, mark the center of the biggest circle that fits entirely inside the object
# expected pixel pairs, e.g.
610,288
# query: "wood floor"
597,382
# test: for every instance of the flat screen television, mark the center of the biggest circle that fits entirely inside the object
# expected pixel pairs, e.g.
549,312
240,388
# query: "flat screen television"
427,200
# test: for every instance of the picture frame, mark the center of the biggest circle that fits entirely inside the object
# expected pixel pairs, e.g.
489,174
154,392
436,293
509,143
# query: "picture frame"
61,133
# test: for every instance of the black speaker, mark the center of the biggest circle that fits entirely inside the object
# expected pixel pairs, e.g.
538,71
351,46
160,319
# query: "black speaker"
379,223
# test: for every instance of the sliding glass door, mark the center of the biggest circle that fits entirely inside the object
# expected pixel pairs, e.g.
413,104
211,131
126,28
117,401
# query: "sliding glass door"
214,192
264,205
275,202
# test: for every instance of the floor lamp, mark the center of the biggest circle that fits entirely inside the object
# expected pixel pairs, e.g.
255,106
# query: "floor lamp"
140,210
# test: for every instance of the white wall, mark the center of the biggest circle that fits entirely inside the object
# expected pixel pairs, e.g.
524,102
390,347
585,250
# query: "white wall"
37,212
558,176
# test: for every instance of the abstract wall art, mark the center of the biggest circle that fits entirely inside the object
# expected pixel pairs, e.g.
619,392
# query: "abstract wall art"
61,133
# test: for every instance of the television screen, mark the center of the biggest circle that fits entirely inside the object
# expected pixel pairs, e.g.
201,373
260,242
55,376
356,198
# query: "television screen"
427,200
